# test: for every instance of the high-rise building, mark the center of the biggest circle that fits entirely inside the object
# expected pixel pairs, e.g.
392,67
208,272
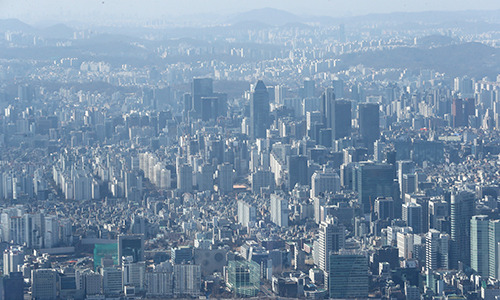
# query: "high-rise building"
243,277
326,181
338,88
259,111
369,122
384,208
133,273
436,250
348,276
184,178
479,244
225,178
160,280
494,239
262,179
187,280
279,210
339,118
246,213
13,286
462,210
200,88
297,171
44,284
412,215
111,280
131,245
12,259
331,239
373,180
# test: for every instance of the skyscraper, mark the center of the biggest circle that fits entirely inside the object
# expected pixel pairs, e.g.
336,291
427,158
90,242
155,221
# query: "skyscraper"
131,245
348,276
331,239
200,88
279,210
369,123
494,239
436,250
479,244
373,180
412,215
297,170
259,111
462,210
324,182
339,118
225,178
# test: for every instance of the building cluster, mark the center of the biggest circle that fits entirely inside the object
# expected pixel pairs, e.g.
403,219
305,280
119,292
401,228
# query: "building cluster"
312,181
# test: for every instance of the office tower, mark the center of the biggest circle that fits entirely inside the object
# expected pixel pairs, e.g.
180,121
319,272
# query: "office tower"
405,241
457,113
338,88
133,273
373,180
225,178
131,245
309,88
246,213
187,280
35,227
439,212
479,244
111,280
404,167
326,181
200,88
493,240
262,179
369,122
206,178
339,118
160,281
436,250
181,255
184,178
243,277
51,234
384,208
44,284
92,282
348,276
259,111
13,286
297,170
462,210
412,215
331,239
409,185
279,210
12,259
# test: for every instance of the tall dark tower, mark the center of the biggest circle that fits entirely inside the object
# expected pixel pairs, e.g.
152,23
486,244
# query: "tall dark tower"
373,180
462,210
201,87
259,111
339,118
369,123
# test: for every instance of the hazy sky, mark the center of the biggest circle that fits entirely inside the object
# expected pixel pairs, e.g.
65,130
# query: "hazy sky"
64,10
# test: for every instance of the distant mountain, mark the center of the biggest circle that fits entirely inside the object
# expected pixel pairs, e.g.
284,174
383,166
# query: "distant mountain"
14,25
269,16
58,31
474,59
